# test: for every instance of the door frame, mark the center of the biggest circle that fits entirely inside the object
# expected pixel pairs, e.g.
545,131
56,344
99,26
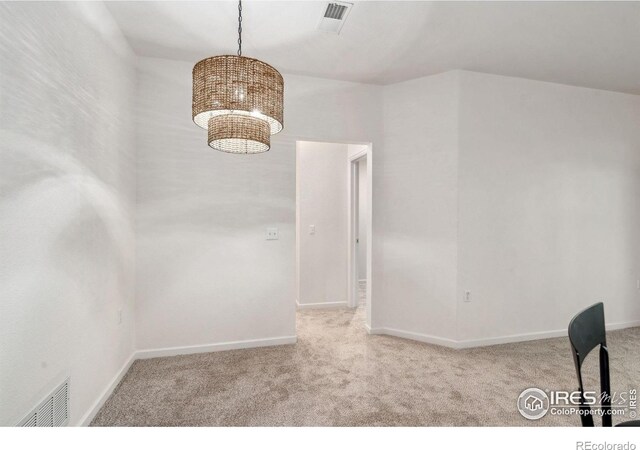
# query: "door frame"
352,264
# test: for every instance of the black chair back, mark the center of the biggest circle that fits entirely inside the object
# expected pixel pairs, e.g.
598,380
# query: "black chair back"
586,332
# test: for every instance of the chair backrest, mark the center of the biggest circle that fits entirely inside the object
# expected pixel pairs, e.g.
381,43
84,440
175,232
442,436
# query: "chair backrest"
586,332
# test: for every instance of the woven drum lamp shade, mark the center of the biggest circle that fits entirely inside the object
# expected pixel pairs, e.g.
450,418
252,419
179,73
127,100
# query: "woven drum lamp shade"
239,134
229,84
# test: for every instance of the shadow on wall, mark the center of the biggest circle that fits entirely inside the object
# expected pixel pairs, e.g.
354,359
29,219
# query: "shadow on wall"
66,204
69,246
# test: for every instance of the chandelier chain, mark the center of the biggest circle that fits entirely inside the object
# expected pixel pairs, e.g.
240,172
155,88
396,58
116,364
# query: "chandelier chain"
239,27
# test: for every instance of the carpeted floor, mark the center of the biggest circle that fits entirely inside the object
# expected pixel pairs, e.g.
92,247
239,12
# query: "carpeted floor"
338,375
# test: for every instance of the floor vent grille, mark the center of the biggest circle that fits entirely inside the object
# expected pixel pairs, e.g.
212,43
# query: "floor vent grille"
53,411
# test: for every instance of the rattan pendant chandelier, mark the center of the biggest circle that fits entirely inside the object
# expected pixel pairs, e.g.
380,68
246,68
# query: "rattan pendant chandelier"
239,100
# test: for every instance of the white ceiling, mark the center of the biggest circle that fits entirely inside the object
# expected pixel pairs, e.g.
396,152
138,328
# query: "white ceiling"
593,44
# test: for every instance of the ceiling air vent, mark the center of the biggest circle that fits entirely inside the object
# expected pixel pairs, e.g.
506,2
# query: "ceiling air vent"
335,14
335,11
53,411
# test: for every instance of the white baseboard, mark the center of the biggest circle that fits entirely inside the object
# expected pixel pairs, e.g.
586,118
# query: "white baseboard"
485,342
207,348
535,336
321,305
415,336
99,403
623,325
510,339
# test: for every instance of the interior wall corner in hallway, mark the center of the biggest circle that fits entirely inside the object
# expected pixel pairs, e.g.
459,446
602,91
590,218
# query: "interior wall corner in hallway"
362,220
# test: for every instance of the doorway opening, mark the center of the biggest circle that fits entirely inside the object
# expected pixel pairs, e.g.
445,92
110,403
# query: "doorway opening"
333,226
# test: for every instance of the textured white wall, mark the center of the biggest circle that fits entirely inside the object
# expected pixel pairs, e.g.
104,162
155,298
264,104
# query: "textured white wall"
205,273
322,202
549,212
415,206
66,203
522,192
362,219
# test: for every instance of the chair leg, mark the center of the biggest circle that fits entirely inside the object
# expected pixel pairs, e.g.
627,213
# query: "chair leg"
605,387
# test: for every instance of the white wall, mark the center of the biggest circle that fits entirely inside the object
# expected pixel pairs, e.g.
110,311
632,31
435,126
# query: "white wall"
66,204
322,202
362,219
522,192
415,208
206,274
549,182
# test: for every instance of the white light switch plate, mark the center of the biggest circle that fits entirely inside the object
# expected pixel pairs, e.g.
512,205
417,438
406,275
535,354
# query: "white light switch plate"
312,229
272,234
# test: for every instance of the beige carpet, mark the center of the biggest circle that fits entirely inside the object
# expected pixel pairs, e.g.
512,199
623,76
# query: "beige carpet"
337,375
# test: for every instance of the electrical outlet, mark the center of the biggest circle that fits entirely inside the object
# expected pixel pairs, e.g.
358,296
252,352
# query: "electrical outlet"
467,296
312,229
272,234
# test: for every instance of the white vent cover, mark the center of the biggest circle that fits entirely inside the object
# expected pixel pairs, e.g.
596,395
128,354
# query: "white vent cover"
334,16
53,411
